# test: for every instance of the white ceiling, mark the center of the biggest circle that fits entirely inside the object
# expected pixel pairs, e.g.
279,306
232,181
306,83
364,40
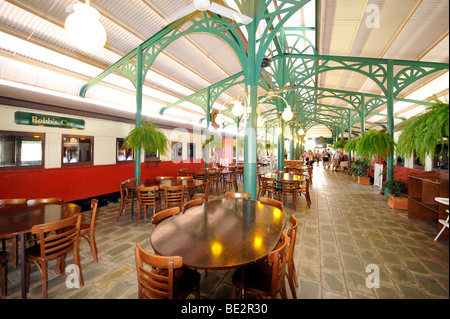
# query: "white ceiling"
35,52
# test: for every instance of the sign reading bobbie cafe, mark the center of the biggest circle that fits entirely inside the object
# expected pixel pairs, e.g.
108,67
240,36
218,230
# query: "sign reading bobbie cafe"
48,120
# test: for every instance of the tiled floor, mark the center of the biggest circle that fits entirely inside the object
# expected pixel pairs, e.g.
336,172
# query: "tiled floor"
347,233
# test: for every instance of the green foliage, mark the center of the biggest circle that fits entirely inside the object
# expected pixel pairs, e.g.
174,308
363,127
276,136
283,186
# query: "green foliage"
361,167
339,144
373,143
396,187
149,137
351,145
424,131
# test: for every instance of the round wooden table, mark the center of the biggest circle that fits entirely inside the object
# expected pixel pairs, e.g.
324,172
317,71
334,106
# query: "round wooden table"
287,176
220,234
19,219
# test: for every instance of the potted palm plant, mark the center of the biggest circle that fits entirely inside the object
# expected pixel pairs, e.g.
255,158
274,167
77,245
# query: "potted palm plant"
149,138
425,131
361,168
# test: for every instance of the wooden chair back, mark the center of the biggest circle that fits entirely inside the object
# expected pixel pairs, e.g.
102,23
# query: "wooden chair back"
278,258
174,196
158,281
292,276
192,203
229,195
279,172
13,201
147,195
164,214
94,207
44,201
271,202
124,191
64,239
186,178
289,186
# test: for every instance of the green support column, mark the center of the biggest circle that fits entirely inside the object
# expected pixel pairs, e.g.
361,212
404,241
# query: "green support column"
208,123
363,113
138,117
390,117
281,145
349,132
291,144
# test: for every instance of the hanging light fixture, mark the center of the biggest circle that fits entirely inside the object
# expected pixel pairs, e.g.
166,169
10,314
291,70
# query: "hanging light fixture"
287,114
220,119
238,109
260,121
84,29
301,132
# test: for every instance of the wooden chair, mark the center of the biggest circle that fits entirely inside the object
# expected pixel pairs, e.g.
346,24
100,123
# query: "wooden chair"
147,196
213,177
160,178
231,180
229,195
164,214
192,203
291,273
44,201
269,186
166,278
271,202
14,239
87,231
55,245
264,279
174,196
3,272
304,189
126,195
182,171
289,187
205,194
279,172
186,190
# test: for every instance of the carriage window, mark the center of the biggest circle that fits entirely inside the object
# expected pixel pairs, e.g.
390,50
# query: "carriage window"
77,150
21,150
123,154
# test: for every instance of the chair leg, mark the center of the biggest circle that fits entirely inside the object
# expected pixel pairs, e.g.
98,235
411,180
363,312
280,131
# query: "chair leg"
3,274
15,249
139,215
120,210
93,246
44,279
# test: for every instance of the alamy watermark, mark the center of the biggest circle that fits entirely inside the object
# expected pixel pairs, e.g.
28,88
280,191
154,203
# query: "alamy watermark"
73,279
373,16
373,279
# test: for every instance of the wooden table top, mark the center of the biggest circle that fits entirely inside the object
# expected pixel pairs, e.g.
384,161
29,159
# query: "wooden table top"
220,234
19,219
291,177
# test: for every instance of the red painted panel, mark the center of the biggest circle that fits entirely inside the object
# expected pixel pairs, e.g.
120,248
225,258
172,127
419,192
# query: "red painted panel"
73,183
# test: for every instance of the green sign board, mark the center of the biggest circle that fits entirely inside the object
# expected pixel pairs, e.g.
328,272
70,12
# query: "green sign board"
48,120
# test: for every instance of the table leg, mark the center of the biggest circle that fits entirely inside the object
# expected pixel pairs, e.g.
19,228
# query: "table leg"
23,266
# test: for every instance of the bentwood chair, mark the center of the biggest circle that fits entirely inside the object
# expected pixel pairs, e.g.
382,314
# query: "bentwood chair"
174,196
289,187
44,201
164,214
3,272
229,195
269,186
62,237
147,196
161,277
213,177
264,279
14,239
192,203
160,178
304,189
126,195
204,195
271,202
186,190
231,180
291,273
87,231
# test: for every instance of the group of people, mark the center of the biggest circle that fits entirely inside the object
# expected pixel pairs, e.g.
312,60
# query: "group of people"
328,159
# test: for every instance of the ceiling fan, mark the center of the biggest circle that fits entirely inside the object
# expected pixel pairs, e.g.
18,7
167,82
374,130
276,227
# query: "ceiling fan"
208,5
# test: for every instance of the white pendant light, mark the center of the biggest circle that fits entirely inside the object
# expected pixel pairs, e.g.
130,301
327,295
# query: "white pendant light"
84,29
202,5
287,114
238,109
260,121
301,132
219,119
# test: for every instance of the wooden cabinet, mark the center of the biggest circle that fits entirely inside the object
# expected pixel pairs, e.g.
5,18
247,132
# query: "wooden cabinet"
422,190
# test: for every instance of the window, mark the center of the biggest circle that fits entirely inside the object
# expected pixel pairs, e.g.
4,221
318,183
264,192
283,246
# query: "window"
177,150
417,162
440,160
152,157
20,150
77,150
400,161
122,153
191,150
